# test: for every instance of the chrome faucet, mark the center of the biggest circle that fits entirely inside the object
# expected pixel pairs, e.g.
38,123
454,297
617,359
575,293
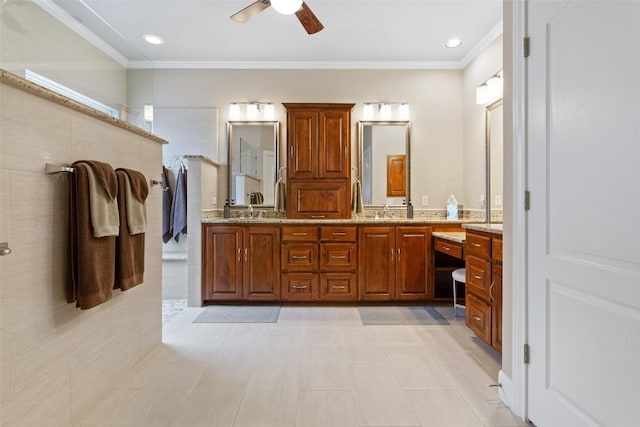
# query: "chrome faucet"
250,209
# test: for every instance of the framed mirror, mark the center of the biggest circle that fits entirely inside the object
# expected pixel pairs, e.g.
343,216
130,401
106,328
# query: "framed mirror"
384,163
494,131
253,162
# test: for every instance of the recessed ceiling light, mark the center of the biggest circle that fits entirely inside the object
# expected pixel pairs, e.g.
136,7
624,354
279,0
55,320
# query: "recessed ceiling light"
453,43
153,39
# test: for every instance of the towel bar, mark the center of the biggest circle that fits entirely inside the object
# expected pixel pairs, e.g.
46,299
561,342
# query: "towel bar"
53,169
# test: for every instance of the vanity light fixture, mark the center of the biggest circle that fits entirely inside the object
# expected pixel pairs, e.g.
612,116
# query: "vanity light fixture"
491,90
286,7
252,111
453,43
385,111
147,112
153,39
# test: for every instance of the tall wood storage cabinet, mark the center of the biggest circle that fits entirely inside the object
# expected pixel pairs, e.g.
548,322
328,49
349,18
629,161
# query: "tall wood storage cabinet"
318,161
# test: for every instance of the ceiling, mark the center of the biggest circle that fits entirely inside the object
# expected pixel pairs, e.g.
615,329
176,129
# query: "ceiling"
357,33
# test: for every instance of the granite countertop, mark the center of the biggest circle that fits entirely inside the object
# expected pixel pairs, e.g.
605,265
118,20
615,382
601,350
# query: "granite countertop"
453,236
487,228
354,221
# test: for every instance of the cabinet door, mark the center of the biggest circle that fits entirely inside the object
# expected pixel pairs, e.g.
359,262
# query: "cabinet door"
261,263
376,266
302,138
412,262
396,175
496,307
221,263
334,153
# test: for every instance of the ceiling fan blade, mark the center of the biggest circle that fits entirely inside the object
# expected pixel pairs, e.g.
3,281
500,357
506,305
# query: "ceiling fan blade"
308,20
250,11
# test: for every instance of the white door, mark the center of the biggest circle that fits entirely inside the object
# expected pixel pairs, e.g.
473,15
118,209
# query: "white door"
583,143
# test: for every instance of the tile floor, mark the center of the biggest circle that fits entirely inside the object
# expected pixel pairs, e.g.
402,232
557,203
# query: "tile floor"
318,366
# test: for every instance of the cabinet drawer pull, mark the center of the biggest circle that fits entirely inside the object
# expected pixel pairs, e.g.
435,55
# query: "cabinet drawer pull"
338,287
339,256
297,233
477,245
446,248
317,216
299,287
477,277
299,257
476,318
339,233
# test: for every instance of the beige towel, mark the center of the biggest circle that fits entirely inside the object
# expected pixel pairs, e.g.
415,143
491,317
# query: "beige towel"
136,191
356,197
104,209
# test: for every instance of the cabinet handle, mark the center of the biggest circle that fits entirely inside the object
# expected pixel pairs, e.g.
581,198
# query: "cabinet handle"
391,254
297,233
299,287
477,245
339,256
446,248
477,277
239,251
338,287
245,254
291,152
317,216
476,318
399,254
339,233
491,291
299,257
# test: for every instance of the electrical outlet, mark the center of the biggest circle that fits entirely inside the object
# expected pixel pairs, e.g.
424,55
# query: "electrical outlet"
425,200
214,201
498,200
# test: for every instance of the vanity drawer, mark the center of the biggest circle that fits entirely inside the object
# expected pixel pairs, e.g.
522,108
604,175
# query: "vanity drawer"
299,234
478,317
338,287
299,286
496,249
300,256
478,276
338,234
338,256
477,244
450,248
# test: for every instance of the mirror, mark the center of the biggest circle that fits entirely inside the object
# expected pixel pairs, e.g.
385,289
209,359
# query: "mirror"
384,162
253,162
494,132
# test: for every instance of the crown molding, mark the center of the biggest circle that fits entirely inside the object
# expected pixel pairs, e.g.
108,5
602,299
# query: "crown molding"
293,65
61,15
482,45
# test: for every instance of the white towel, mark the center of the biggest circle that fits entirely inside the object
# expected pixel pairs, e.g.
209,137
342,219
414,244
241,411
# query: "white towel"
280,192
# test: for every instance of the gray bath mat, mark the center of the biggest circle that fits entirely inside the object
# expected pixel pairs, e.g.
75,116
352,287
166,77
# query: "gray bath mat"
239,314
400,315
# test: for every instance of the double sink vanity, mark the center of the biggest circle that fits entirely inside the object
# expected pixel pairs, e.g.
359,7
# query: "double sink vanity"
316,250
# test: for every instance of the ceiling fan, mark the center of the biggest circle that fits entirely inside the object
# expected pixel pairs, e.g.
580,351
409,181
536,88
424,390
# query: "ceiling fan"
286,7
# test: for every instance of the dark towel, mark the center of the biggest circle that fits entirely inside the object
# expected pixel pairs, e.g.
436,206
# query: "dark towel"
91,259
129,247
167,200
179,206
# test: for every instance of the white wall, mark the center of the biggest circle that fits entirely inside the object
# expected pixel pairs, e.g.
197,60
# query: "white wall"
435,97
477,72
55,359
39,42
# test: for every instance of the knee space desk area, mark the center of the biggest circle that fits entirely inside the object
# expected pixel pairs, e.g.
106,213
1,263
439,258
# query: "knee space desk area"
479,250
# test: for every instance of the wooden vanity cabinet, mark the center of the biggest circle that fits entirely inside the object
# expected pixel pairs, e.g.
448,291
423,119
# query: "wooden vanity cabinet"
240,263
483,295
318,160
394,263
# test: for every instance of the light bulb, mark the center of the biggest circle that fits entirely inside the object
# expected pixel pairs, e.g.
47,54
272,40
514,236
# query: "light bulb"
286,7
269,112
147,112
234,111
482,94
252,111
385,111
403,111
367,112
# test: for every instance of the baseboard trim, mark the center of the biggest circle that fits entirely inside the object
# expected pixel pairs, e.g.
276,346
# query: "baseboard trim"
505,391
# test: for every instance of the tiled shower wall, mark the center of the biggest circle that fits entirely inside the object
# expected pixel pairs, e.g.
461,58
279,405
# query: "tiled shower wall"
55,359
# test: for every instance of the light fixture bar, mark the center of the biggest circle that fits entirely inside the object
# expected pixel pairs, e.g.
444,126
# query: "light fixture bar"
261,111
385,110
